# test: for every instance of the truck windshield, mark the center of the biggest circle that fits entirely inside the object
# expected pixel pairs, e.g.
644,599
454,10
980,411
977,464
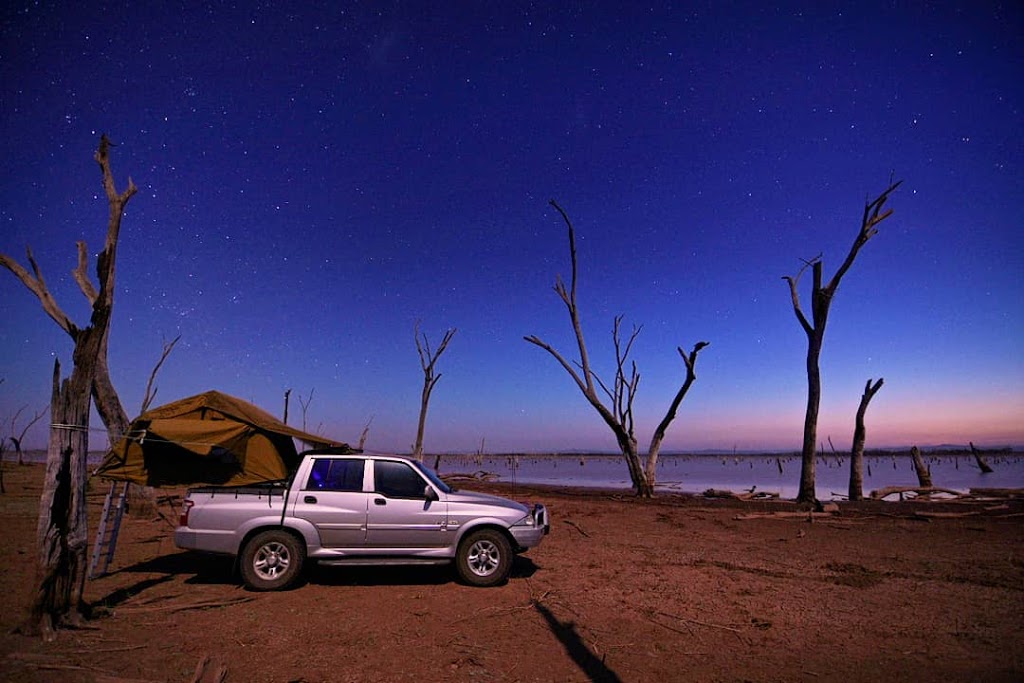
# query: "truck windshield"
432,476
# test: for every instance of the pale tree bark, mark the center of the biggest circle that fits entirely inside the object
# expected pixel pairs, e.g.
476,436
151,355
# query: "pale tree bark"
618,414
428,362
62,530
821,300
856,490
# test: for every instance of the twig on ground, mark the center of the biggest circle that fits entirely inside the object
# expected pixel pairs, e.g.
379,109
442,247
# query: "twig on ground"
576,526
195,605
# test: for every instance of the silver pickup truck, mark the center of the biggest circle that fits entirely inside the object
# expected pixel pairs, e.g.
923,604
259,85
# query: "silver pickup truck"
358,509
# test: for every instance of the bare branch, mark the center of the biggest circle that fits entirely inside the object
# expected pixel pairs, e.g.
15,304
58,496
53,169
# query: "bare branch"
150,390
37,286
794,293
81,274
570,301
871,218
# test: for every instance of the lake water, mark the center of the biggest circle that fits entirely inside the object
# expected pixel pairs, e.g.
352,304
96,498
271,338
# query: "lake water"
770,473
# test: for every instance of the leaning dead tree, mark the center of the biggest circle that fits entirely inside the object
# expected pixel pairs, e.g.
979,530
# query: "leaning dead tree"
924,475
821,300
856,490
62,533
428,361
618,412
982,465
105,398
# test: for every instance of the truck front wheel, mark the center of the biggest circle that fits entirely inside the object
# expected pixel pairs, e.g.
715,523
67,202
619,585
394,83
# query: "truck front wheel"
484,558
272,560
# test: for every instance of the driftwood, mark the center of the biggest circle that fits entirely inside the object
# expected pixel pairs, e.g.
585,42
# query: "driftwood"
745,495
925,491
997,493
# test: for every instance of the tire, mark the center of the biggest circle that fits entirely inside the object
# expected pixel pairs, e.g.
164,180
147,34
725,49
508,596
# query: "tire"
272,560
484,558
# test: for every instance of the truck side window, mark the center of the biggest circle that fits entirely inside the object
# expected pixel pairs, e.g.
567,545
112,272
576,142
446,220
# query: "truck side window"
397,479
336,475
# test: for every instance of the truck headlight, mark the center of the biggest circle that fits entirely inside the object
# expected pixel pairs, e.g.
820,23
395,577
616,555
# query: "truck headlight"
528,520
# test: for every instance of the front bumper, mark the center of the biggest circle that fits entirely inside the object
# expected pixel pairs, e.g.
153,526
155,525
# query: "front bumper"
528,536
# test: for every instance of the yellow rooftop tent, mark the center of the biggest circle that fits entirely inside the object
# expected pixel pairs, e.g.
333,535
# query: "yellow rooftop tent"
211,438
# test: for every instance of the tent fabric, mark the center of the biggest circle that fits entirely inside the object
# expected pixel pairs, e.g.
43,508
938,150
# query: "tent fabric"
213,439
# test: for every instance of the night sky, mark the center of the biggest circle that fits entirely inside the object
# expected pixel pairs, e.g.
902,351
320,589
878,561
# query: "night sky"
313,181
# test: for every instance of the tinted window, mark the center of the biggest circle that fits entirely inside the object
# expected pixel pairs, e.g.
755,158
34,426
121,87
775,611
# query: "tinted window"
336,475
397,479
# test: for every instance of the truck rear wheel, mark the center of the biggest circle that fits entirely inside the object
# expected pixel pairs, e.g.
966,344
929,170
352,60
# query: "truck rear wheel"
484,558
272,560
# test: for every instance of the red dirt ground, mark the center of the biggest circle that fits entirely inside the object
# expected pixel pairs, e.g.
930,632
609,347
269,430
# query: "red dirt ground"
675,589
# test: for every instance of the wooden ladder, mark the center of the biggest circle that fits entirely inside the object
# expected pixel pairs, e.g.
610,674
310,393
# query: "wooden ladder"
106,533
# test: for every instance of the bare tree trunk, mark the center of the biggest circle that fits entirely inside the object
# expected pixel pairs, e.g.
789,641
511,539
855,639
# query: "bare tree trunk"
62,533
821,300
428,359
287,396
924,477
982,465
856,490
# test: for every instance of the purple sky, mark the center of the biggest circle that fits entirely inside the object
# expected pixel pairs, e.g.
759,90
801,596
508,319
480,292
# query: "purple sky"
313,181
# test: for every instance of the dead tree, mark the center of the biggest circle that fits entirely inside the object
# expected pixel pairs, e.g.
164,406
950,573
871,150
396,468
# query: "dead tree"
856,491
428,359
364,434
821,300
305,406
105,398
62,530
16,440
618,415
150,394
982,465
924,476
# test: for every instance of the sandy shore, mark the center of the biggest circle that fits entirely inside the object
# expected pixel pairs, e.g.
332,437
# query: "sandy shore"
675,589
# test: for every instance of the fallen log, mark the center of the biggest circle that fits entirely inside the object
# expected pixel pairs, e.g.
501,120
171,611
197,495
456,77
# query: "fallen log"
746,495
919,491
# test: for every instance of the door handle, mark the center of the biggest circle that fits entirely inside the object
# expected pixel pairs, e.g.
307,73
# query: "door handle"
379,501
309,499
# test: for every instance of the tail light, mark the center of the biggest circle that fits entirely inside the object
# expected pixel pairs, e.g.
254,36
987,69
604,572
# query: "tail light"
186,506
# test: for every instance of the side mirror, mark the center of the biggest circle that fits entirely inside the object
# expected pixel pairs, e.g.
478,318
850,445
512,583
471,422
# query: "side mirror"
430,494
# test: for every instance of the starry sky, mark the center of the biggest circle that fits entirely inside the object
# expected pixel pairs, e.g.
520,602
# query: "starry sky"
315,178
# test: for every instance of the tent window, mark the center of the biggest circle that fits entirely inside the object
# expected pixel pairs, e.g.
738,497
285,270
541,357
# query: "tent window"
336,475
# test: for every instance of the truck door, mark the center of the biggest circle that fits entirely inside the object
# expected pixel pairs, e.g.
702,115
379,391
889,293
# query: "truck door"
398,514
333,500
